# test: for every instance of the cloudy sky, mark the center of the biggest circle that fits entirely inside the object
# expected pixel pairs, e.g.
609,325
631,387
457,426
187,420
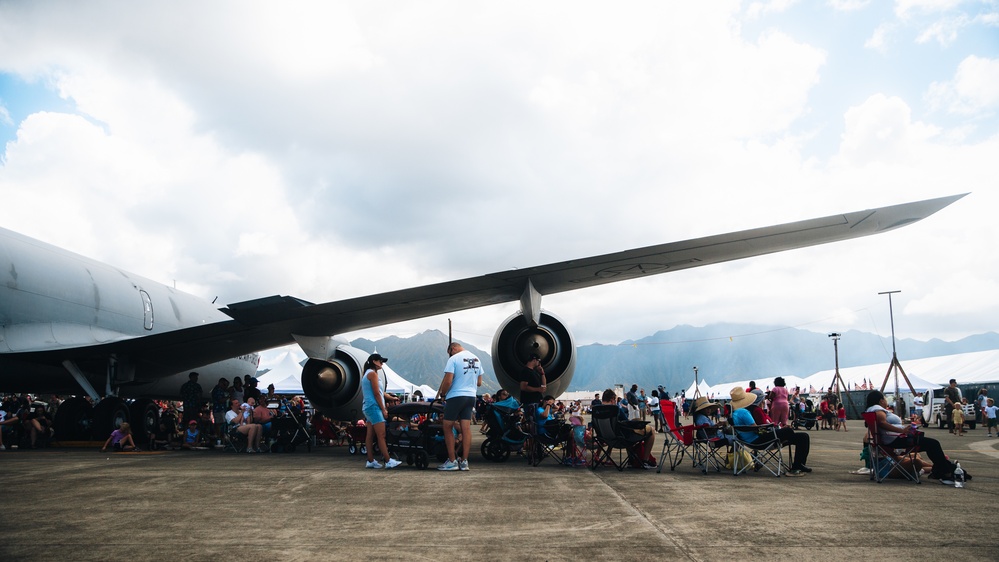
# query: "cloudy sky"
329,150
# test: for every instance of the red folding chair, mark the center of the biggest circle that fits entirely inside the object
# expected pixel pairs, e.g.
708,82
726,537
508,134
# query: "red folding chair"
680,441
885,459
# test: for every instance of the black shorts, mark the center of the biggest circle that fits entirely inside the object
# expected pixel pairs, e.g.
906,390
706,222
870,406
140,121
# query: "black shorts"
459,408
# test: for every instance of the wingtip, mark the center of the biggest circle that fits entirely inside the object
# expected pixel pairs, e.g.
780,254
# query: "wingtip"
905,214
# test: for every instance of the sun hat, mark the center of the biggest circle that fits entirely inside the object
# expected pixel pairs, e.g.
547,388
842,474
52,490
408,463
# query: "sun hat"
741,398
702,403
759,396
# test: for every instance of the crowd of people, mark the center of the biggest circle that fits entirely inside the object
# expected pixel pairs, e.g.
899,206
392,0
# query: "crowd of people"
239,407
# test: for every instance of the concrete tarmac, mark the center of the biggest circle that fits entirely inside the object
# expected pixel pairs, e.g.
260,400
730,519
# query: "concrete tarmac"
80,504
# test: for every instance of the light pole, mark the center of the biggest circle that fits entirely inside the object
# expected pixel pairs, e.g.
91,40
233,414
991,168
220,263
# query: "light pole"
895,365
837,380
697,384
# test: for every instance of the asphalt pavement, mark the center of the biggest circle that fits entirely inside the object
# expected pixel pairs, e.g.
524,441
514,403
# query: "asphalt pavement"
80,504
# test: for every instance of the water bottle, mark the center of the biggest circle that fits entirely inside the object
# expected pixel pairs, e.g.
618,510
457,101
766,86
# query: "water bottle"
958,476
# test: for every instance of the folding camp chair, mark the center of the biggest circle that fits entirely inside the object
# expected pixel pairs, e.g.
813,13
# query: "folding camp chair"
234,440
608,435
679,441
549,440
884,459
766,451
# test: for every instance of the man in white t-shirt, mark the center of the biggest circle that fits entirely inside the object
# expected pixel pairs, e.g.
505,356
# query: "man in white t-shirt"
462,375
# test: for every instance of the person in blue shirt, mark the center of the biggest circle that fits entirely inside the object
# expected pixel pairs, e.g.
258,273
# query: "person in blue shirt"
741,417
375,413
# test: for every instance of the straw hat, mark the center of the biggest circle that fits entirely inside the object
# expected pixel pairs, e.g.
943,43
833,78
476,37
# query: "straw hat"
702,403
741,398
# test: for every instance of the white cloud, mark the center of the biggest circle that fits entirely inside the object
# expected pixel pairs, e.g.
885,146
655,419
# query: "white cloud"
881,37
944,31
756,10
881,130
849,5
248,152
905,9
973,90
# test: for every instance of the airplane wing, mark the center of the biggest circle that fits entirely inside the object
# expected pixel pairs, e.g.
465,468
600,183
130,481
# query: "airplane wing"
506,286
270,322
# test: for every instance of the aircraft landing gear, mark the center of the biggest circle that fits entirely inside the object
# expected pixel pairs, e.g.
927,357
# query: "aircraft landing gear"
73,420
145,416
108,415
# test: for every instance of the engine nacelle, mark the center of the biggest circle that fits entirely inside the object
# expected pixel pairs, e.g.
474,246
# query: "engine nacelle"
333,386
551,340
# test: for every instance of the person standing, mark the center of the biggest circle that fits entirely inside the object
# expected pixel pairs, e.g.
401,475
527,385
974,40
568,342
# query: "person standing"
375,413
220,403
952,399
655,410
632,398
642,403
989,415
532,383
981,403
462,374
190,394
779,406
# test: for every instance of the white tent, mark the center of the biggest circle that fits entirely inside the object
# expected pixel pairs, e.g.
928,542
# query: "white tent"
932,372
398,385
286,376
703,387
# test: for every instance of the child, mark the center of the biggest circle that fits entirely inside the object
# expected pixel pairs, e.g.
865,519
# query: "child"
990,414
841,417
120,439
958,420
192,436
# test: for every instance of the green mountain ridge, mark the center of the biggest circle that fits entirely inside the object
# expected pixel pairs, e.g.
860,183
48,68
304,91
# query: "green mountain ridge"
722,353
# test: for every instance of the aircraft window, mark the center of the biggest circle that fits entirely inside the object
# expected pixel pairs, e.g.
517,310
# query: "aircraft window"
147,310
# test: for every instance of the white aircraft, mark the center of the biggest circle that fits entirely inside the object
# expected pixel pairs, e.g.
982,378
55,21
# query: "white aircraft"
72,324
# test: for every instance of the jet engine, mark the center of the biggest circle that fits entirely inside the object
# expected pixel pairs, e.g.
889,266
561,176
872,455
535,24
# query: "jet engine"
333,386
517,339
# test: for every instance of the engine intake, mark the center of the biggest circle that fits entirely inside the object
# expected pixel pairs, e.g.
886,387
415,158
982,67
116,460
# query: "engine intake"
551,340
333,386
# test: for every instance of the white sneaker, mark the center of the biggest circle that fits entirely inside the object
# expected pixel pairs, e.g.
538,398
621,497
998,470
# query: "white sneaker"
2,448
392,463
946,482
448,465
372,464
463,464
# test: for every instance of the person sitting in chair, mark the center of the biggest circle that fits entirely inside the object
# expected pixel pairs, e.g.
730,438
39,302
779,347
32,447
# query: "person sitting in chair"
638,427
240,418
892,433
742,417
704,410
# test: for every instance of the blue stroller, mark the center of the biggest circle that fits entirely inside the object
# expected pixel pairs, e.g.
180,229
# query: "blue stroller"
503,431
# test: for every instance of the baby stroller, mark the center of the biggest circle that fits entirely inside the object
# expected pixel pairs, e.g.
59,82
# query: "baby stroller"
503,430
290,432
806,419
326,431
414,432
356,433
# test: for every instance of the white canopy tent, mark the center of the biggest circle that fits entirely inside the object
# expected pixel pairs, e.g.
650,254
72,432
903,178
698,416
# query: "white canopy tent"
931,372
704,388
286,376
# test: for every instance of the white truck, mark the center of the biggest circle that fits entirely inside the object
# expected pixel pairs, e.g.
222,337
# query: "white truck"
935,413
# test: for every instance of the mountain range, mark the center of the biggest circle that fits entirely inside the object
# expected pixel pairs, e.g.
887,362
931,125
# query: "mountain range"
721,352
